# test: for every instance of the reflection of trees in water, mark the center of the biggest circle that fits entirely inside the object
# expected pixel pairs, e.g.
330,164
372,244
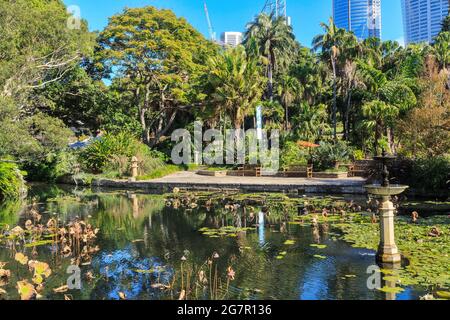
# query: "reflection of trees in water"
123,271
10,212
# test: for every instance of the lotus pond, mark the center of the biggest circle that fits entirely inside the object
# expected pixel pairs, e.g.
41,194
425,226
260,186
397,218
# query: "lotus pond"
212,246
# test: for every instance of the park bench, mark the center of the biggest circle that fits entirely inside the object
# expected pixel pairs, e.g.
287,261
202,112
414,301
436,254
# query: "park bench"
250,170
299,171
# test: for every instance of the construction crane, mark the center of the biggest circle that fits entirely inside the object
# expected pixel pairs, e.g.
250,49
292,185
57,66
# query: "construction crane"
276,7
212,34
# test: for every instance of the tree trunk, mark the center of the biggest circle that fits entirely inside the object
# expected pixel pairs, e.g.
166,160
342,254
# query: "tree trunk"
333,63
142,111
347,115
270,76
287,118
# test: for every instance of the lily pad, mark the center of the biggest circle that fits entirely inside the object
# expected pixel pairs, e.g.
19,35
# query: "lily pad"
392,289
318,246
443,294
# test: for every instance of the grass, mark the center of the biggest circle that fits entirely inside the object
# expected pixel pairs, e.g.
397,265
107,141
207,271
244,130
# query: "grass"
160,172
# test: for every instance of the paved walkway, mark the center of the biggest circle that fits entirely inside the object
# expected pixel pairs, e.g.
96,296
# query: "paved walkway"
192,181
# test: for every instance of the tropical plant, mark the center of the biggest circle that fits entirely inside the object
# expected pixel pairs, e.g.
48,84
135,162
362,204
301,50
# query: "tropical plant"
292,154
441,49
235,84
328,155
334,44
386,99
113,153
311,122
288,89
275,41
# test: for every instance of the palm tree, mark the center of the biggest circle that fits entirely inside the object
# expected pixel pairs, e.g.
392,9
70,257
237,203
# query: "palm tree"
379,115
235,81
288,89
311,74
441,49
386,97
330,44
275,41
311,122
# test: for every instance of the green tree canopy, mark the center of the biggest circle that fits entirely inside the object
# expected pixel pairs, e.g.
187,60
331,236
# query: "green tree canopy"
154,57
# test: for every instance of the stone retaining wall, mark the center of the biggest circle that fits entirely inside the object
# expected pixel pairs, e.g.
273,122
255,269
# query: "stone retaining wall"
291,188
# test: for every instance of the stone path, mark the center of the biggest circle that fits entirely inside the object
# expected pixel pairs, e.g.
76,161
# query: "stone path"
192,181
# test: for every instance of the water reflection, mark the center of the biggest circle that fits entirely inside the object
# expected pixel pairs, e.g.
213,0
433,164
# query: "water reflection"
143,240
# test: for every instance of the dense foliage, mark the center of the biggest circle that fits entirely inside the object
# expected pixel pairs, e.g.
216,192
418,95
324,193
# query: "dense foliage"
12,184
150,72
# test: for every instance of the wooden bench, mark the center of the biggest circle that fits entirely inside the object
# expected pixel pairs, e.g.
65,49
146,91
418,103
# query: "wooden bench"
299,171
250,170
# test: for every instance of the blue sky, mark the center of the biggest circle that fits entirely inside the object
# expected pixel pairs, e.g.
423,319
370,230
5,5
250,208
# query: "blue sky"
232,15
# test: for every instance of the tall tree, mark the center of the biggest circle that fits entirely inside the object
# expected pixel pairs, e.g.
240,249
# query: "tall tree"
156,57
446,24
441,49
36,45
235,84
384,99
330,43
37,49
288,90
275,41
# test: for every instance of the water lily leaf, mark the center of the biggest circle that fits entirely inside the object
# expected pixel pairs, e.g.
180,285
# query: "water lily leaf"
26,290
319,256
318,246
350,276
289,242
391,279
61,289
42,269
21,258
392,289
443,294
38,279
388,272
280,257
38,243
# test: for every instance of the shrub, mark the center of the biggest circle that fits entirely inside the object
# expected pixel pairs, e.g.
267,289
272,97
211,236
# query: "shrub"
53,167
328,154
431,174
359,155
292,154
12,184
112,155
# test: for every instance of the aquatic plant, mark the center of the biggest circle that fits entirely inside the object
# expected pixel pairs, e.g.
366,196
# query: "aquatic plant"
74,241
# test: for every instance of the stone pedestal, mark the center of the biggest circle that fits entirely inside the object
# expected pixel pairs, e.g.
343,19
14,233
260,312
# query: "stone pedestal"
387,250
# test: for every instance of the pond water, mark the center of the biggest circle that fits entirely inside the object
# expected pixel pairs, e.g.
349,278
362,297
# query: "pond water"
149,250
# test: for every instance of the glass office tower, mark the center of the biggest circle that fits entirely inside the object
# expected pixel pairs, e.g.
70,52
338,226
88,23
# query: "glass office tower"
363,17
422,19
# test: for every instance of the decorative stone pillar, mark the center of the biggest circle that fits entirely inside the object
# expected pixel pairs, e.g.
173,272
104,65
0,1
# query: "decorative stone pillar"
387,250
134,169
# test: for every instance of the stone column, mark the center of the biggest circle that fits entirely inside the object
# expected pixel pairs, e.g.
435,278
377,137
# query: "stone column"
387,250
134,169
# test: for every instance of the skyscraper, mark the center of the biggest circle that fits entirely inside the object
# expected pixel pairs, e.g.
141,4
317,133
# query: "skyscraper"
363,17
232,38
422,19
